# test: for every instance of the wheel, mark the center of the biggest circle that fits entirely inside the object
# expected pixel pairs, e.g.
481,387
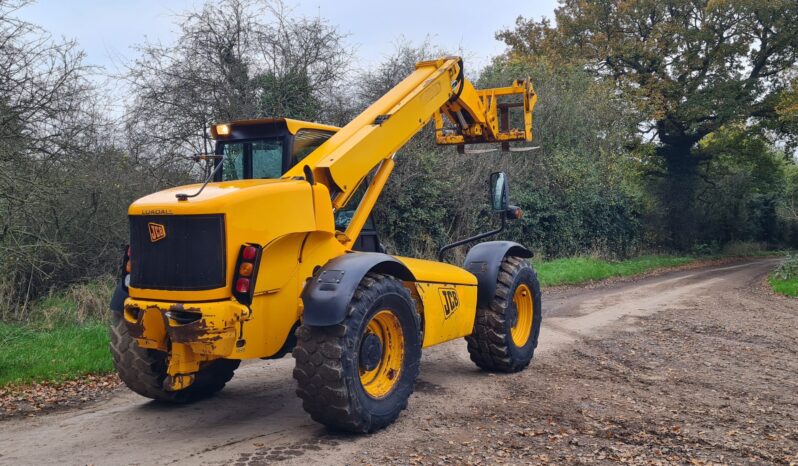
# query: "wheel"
144,370
506,330
358,375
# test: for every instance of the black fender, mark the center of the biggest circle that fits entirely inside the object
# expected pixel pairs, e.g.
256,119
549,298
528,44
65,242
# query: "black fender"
327,294
120,295
484,260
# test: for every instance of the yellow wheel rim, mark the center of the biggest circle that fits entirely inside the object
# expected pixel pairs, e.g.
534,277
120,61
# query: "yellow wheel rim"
524,315
379,381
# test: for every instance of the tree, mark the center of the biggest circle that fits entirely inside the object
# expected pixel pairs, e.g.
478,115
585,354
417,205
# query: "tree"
787,121
65,184
747,185
578,189
61,212
42,95
691,67
233,60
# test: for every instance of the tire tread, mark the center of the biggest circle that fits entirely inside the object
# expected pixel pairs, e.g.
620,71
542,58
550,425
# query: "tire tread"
488,345
323,384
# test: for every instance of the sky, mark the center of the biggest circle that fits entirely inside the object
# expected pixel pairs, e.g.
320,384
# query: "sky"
109,29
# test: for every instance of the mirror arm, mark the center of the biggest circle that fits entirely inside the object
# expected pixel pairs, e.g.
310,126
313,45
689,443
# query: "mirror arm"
470,239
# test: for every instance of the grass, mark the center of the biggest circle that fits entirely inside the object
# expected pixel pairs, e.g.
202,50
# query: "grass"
32,354
573,271
784,279
787,287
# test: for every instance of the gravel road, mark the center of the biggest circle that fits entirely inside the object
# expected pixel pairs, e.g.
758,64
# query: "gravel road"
688,366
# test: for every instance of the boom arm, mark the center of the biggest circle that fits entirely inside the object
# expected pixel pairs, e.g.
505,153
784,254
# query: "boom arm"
436,90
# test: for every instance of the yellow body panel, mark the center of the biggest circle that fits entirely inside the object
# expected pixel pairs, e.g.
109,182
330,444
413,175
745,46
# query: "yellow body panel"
448,310
296,125
439,272
448,297
302,239
250,208
277,306
275,310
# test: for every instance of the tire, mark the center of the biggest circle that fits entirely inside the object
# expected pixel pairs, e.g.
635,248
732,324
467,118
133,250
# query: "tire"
504,338
343,381
144,370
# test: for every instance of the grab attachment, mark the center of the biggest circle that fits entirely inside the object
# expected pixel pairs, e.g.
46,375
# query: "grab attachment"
478,116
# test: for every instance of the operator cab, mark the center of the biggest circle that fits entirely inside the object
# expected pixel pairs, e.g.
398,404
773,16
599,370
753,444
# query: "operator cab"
265,147
268,147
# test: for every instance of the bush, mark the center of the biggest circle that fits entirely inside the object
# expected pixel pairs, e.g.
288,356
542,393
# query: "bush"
744,248
706,249
788,269
79,304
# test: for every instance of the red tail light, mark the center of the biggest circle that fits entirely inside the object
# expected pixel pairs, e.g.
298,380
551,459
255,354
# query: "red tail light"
249,253
242,285
246,272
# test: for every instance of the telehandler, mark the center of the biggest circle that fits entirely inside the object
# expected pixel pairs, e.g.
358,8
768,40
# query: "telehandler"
276,253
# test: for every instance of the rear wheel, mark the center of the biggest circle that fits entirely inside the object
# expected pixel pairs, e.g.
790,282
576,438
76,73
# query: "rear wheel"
506,330
358,375
144,370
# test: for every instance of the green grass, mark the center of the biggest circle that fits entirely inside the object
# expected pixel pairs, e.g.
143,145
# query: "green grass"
573,271
786,287
32,355
784,279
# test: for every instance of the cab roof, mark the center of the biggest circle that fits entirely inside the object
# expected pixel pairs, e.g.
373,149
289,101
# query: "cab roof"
287,123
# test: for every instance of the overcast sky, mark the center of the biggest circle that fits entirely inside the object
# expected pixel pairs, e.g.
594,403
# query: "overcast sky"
107,29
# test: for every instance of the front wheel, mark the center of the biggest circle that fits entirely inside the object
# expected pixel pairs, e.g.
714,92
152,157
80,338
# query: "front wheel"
506,330
358,375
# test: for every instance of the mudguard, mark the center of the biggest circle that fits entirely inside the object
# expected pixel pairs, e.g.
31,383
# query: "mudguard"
484,259
120,295
327,295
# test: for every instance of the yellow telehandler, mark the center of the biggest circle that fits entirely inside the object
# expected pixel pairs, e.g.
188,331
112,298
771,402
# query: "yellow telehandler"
276,253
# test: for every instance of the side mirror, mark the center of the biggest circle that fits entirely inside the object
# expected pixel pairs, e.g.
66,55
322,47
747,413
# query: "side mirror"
499,196
499,204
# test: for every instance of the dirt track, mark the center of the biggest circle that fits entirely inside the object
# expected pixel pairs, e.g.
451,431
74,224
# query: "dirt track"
697,365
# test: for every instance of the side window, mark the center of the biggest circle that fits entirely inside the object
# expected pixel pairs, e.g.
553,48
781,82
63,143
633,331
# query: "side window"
234,162
306,141
344,215
267,160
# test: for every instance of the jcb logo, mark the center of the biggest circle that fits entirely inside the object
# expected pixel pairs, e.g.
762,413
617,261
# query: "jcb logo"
157,231
450,301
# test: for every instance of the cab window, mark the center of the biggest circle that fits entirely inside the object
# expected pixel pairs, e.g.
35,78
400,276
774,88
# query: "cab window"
368,240
251,159
306,141
233,168
267,159
343,216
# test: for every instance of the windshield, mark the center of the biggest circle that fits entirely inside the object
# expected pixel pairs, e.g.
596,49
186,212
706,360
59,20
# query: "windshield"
252,159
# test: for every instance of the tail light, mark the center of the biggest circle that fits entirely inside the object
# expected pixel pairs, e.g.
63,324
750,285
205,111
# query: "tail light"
246,272
126,268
